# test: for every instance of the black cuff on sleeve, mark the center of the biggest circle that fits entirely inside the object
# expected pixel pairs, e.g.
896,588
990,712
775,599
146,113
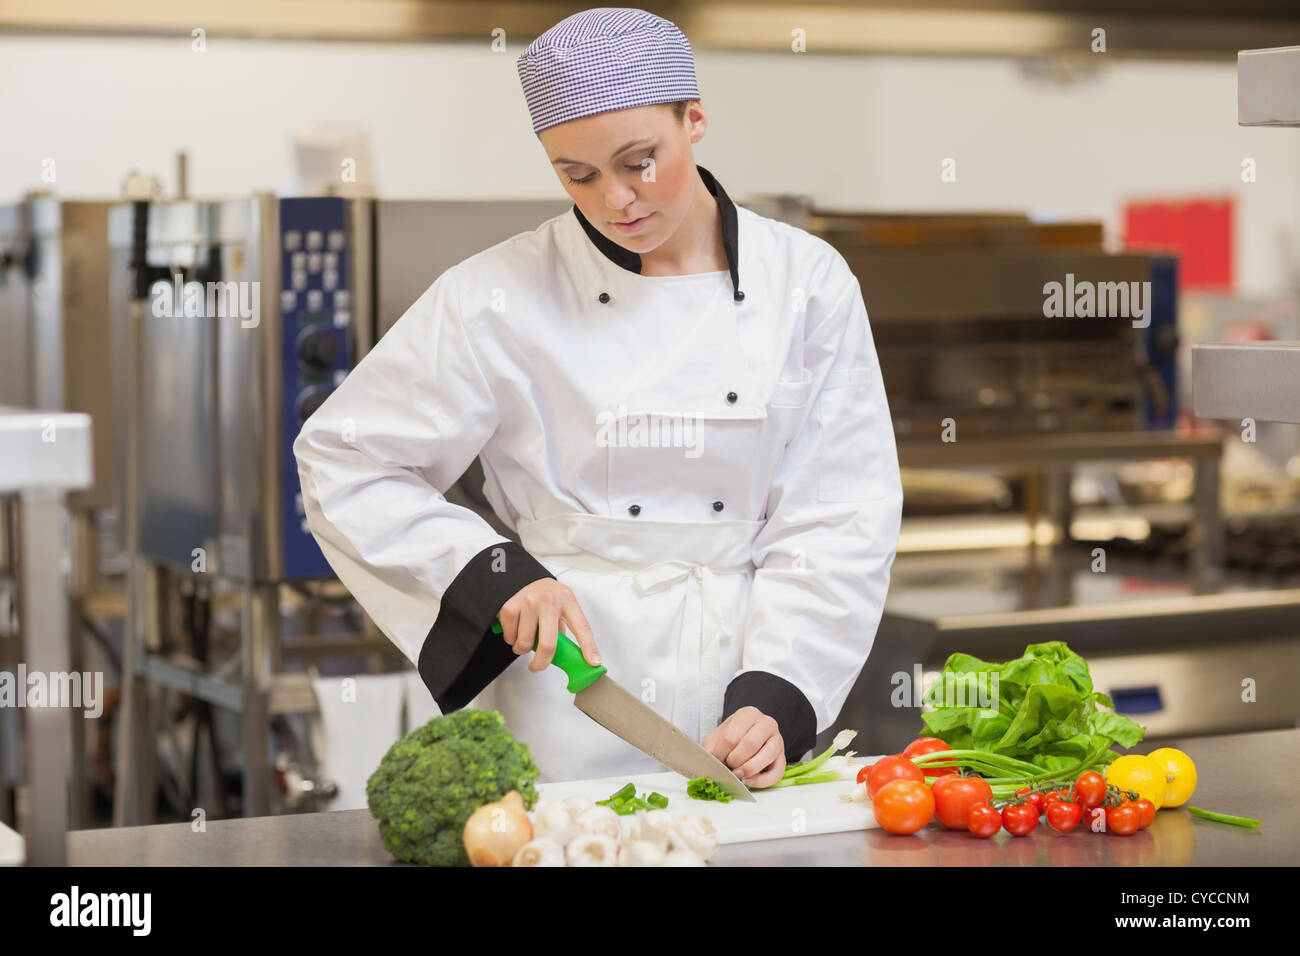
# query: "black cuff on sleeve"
780,700
462,654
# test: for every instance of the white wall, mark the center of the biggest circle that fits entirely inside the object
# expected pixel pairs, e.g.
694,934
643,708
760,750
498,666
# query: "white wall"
449,119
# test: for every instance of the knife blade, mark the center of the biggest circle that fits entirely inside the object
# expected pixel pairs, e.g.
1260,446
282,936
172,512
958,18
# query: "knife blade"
623,714
628,717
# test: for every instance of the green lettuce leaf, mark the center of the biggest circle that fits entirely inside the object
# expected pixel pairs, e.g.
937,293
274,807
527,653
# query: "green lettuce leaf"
1046,712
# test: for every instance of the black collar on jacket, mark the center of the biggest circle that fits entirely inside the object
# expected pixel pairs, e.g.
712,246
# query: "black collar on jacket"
730,235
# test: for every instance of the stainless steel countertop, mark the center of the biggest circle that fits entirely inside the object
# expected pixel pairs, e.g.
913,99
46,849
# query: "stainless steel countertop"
1253,775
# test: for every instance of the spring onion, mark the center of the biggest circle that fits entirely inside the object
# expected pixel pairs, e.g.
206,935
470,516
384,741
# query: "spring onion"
814,771
1224,817
625,801
703,788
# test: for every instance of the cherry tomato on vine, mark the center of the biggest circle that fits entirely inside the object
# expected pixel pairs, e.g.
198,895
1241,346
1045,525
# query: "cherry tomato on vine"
1063,816
1019,819
1035,798
1146,813
1091,789
954,796
983,821
1124,819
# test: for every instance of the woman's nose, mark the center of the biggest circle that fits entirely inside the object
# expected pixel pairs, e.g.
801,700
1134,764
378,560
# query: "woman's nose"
619,199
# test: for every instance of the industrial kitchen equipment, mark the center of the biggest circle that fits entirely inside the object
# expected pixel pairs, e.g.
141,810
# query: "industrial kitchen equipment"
239,318
38,475
55,358
1177,661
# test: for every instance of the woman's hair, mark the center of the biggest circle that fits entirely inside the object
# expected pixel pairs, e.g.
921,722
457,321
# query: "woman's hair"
679,108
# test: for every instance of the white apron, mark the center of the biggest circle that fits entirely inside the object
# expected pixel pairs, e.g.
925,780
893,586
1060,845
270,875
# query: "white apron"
665,600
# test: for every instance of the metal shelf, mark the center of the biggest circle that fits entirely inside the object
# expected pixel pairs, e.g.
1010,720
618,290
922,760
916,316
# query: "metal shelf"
50,450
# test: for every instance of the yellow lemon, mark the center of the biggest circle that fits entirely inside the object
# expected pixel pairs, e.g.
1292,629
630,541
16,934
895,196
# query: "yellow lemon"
1135,772
1180,775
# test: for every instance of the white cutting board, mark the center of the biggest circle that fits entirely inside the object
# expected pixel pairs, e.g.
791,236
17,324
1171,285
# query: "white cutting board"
11,847
784,812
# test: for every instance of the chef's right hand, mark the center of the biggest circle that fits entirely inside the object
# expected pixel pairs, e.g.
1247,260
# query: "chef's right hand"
538,608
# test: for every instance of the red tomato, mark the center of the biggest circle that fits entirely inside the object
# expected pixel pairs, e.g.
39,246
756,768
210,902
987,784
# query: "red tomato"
862,774
886,769
903,806
1124,819
954,796
929,745
1063,815
1091,789
1035,798
982,820
1019,819
1051,795
1146,813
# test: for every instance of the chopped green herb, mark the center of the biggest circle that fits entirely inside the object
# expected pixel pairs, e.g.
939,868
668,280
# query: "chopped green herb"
625,801
703,788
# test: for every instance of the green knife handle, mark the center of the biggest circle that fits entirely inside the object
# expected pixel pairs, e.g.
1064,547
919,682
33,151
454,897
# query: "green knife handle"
568,658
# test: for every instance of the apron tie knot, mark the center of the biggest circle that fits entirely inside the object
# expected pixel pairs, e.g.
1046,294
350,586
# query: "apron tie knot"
705,628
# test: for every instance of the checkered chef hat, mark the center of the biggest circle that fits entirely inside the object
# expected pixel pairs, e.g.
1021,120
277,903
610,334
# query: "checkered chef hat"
606,58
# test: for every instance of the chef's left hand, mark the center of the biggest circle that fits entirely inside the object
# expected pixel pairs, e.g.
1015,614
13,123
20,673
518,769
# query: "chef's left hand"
750,743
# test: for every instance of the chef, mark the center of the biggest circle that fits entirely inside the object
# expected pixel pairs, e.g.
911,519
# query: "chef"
678,409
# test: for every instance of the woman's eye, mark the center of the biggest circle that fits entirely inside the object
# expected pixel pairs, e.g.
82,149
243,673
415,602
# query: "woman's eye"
639,167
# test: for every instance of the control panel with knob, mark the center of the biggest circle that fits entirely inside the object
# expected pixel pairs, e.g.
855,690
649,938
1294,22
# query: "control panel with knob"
318,346
319,350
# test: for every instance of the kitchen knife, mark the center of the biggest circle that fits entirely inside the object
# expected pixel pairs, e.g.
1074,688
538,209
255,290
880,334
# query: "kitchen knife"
597,695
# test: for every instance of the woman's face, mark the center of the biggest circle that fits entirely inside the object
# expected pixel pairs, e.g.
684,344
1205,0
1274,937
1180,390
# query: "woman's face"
629,164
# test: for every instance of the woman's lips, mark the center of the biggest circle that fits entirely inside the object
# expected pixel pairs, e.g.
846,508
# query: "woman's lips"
632,226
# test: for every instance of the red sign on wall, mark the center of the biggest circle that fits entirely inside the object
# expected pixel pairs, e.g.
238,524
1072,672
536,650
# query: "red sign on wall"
1199,231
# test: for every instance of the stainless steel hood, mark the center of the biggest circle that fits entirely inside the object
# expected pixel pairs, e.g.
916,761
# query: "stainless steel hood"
1022,28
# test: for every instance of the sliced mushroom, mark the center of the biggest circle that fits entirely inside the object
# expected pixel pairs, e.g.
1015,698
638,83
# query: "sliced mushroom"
697,834
591,849
601,820
552,821
651,826
540,852
640,853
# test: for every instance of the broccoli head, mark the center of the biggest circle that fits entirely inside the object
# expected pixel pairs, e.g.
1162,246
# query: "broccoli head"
432,779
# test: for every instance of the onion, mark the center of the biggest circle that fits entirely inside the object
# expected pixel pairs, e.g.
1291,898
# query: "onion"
495,832
857,795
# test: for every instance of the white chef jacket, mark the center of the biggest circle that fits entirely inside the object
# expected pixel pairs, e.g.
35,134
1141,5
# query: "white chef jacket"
706,460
